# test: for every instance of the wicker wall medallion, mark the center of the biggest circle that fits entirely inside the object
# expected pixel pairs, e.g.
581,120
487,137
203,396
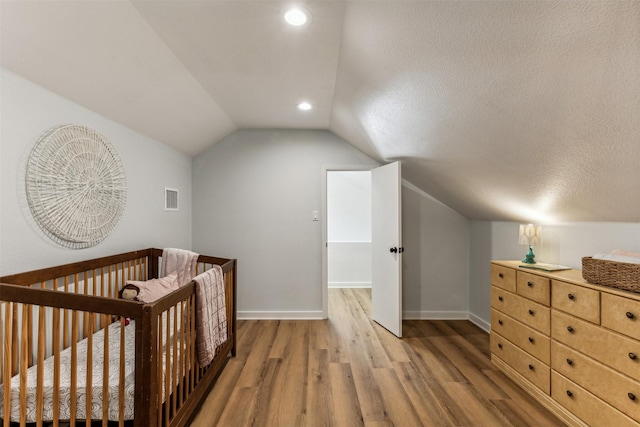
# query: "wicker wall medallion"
76,186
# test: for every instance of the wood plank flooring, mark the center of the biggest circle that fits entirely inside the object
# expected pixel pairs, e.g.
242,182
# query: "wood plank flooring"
349,371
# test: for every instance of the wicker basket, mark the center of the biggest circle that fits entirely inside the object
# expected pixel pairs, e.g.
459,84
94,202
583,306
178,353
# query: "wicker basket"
615,274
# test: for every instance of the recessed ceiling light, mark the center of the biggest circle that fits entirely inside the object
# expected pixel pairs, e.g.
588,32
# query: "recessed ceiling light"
304,106
296,17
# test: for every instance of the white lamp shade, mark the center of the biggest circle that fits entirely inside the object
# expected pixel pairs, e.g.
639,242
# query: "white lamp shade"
530,234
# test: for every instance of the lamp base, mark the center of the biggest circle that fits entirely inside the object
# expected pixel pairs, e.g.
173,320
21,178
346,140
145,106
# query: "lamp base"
530,257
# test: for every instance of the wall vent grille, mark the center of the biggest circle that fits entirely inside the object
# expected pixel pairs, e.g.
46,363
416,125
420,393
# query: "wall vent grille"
170,199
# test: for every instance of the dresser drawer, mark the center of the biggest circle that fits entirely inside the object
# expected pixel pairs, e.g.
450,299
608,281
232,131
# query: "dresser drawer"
605,383
534,287
586,406
529,340
617,351
526,365
526,311
576,300
621,315
503,277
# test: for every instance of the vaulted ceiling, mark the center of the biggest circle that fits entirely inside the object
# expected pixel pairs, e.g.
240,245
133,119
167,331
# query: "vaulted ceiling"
503,110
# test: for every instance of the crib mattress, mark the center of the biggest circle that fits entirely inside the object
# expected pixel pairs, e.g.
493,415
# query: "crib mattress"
81,381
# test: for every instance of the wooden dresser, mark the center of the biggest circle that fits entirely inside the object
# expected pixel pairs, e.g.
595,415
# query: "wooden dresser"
572,345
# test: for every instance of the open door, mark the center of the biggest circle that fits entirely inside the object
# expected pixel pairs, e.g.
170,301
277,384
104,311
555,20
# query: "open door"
386,236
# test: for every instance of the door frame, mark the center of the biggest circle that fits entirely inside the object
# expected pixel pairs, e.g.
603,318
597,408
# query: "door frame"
323,220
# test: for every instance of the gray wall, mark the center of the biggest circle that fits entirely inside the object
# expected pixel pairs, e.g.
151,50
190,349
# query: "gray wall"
563,244
256,193
27,111
436,258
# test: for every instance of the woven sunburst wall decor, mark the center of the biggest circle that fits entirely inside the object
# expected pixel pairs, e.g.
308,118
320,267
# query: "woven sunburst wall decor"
76,186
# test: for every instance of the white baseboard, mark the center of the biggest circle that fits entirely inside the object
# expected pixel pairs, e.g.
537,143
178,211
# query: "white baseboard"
481,323
349,284
280,315
435,315
406,315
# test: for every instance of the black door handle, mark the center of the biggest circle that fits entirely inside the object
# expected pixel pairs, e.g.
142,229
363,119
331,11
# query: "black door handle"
395,250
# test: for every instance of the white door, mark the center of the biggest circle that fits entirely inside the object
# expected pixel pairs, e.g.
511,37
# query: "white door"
386,247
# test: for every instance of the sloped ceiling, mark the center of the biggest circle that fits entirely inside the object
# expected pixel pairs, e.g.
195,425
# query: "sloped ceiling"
503,110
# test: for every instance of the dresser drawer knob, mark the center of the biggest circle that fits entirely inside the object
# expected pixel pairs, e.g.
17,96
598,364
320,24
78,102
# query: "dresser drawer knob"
500,298
569,362
500,346
632,356
531,340
630,315
570,329
531,367
531,312
529,284
631,396
500,275
499,322
570,296
569,393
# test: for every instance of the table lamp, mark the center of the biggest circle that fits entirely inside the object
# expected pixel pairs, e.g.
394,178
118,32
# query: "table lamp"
529,235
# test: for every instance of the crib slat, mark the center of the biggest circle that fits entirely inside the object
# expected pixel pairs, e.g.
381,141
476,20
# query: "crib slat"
14,341
110,283
103,317
85,315
65,317
167,371
89,377
119,277
8,360
30,341
40,367
174,373
183,367
73,392
24,360
192,342
159,369
113,281
121,379
56,365
97,282
188,349
105,378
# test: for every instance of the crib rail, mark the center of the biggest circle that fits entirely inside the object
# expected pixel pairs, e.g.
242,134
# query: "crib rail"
73,311
136,264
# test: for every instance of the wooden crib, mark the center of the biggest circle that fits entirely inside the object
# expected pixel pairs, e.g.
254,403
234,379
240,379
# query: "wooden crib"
73,352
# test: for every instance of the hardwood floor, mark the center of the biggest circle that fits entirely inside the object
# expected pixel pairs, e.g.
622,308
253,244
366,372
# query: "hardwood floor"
349,371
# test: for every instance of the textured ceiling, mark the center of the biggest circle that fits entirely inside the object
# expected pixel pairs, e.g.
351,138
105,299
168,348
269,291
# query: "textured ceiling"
503,110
